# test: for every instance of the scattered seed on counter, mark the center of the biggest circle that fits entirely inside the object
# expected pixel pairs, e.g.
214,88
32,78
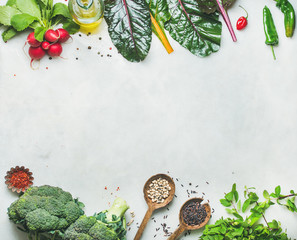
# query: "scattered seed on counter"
77,48
89,47
100,38
159,190
76,58
130,222
79,35
50,58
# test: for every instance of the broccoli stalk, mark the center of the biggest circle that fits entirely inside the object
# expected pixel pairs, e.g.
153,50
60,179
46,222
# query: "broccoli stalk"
106,225
118,209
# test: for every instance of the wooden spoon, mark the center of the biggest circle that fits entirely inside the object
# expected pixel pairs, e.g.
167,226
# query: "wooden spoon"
152,206
183,226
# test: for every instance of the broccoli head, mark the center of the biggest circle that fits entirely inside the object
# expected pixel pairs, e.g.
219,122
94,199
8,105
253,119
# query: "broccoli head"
106,225
45,209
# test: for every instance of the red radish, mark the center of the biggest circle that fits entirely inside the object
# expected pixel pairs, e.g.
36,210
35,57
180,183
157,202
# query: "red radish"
36,53
45,45
51,36
32,40
55,50
64,35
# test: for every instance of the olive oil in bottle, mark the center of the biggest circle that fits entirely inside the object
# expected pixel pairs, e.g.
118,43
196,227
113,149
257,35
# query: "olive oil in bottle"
87,13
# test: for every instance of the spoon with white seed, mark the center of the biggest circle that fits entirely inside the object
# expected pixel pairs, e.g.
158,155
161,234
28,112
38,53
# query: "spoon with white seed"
158,192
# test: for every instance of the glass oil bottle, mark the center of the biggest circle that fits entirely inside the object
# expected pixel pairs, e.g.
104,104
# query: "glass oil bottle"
87,13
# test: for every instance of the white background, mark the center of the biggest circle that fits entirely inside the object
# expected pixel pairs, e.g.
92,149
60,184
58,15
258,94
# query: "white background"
101,122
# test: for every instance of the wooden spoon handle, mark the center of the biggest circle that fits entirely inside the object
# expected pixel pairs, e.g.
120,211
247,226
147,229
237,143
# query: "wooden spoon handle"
143,223
177,233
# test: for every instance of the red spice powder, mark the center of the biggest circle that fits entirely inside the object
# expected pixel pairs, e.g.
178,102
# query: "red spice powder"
19,179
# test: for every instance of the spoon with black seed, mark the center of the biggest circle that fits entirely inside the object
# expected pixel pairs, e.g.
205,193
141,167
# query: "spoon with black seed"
192,216
158,192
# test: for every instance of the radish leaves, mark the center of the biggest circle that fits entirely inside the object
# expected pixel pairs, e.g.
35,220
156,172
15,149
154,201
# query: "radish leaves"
40,15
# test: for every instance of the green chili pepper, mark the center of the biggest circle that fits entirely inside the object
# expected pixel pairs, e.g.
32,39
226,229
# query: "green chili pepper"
289,13
270,29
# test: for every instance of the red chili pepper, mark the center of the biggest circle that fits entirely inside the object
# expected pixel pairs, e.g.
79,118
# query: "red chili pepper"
242,21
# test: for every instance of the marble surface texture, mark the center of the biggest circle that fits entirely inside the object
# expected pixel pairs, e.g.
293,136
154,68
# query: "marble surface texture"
96,121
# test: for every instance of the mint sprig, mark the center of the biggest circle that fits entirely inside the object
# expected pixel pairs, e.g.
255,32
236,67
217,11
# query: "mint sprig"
246,224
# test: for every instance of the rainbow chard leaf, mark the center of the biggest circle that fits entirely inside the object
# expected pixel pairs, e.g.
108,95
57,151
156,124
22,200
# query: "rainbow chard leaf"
195,30
159,15
129,27
210,6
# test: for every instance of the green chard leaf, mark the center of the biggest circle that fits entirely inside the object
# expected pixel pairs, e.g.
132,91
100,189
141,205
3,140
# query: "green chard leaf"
200,33
6,13
9,33
160,12
61,9
21,21
129,27
30,7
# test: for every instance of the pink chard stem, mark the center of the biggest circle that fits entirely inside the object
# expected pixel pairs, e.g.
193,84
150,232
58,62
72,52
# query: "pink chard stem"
227,20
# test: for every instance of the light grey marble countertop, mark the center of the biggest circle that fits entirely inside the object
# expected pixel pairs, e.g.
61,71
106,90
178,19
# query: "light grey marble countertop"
101,122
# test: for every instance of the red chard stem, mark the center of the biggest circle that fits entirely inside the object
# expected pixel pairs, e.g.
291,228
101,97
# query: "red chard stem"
227,20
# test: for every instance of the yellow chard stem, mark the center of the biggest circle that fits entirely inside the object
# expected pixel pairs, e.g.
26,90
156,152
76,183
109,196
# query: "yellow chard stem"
163,38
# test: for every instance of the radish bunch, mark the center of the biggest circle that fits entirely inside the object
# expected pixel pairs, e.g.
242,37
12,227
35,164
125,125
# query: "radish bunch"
51,44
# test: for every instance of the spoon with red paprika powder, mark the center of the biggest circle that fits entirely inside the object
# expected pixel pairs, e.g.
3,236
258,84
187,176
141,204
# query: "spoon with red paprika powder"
192,216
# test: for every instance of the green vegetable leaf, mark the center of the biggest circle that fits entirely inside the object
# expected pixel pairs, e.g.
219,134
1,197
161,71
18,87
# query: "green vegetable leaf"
9,33
39,33
6,13
277,191
129,27
229,196
11,3
200,33
225,203
30,7
61,9
160,12
21,21
266,194
245,205
70,26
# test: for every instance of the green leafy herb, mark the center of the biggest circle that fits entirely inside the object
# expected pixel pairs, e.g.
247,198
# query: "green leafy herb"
200,33
248,227
129,27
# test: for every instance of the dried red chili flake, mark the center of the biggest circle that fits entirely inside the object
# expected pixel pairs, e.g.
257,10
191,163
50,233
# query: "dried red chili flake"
105,188
19,179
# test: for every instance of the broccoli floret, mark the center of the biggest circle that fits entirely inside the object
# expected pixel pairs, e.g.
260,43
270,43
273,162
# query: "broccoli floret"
45,209
106,225
41,220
